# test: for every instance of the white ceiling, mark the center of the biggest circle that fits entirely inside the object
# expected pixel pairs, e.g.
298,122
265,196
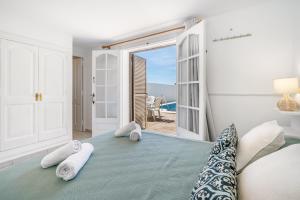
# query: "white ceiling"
97,21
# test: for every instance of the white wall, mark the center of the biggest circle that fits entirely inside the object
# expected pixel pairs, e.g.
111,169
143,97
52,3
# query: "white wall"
41,32
163,90
296,24
240,71
86,54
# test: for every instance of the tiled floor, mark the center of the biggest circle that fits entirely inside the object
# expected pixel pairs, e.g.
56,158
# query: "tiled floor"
166,124
77,135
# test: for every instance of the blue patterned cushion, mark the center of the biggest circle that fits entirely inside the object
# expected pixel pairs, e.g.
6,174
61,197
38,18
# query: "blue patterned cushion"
228,138
217,181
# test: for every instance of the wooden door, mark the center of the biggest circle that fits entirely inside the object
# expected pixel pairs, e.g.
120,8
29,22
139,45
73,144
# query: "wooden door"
139,90
52,94
19,81
77,94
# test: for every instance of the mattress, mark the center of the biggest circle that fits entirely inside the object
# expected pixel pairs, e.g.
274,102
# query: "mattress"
158,167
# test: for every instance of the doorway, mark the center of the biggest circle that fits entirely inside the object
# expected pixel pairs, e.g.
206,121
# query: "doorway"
153,89
79,132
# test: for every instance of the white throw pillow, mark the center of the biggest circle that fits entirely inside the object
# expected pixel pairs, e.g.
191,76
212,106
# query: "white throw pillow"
258,142
273,177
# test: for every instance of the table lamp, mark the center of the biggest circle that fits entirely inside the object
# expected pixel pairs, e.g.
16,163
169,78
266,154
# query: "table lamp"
286,86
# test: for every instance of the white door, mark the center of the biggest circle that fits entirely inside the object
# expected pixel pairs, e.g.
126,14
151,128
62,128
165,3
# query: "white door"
19,80
77,94
191,83
52,94
106,69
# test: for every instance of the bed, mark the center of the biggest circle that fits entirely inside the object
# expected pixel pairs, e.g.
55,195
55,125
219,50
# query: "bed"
158,167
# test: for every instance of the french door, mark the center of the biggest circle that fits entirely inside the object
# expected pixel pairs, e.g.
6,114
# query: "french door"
105,97
191,83
139,90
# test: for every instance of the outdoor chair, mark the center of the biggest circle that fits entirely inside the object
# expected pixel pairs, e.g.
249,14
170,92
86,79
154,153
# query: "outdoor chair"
155,107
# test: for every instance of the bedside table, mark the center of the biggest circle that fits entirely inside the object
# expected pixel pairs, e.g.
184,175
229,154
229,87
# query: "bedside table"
294,128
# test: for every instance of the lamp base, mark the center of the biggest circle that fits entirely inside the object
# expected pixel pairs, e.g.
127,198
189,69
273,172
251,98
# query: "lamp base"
287,104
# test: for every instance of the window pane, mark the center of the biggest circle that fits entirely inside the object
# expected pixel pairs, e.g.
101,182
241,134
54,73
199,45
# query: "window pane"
100,93
182,115
112,61
182,97
194,95
194,69
100,110
193,44
111,77
194,121
183,71
183,49
112,92
100,77
101,61
111,110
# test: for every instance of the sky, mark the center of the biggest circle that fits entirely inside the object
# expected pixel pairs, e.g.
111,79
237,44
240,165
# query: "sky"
161,65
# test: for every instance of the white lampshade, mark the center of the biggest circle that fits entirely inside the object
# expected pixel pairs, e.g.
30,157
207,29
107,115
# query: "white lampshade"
286,85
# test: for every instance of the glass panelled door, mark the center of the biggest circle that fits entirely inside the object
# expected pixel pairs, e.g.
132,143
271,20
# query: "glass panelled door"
105,97
191,83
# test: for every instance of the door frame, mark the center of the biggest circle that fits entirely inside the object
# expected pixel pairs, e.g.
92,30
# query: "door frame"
125,79
82,91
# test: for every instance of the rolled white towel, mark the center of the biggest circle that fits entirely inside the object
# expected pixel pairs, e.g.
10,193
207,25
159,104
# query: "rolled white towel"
69,168
125,130
136,134
61,153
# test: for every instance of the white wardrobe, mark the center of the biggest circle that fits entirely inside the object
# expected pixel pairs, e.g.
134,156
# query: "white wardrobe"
35,105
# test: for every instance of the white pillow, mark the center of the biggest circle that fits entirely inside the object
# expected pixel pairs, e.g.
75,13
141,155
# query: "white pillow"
258,142
275,176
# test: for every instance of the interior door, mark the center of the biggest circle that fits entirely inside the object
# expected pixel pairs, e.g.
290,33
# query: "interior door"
52,94
19,80
191,83
139,90
106,75
77,94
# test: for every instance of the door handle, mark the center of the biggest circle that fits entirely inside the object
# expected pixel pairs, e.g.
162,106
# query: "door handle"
37,96
41,97
93,98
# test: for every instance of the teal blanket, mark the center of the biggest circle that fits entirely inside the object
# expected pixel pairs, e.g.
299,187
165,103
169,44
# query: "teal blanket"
158,167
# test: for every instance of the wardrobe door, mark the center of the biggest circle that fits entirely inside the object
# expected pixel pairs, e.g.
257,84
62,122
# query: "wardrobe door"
52,94
19,76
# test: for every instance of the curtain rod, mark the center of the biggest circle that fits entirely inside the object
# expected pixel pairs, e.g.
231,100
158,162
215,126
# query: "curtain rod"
142,37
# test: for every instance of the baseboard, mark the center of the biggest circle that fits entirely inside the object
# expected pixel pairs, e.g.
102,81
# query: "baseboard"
18,153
